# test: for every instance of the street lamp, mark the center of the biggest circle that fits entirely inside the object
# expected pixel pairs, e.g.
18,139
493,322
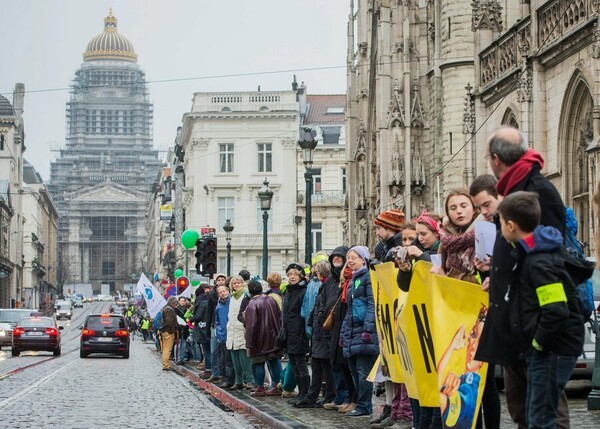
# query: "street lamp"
265,195
228,227
308,144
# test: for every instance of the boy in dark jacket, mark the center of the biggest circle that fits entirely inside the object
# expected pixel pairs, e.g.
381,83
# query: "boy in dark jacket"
544,309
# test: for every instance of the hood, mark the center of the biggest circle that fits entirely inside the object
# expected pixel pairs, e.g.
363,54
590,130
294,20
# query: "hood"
543,239
338,251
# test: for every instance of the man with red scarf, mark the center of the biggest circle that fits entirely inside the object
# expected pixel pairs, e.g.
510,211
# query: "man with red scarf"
518,168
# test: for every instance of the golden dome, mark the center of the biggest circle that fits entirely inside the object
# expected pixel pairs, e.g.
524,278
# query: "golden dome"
110,44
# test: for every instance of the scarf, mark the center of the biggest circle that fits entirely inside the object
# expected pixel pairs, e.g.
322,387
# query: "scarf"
238,293
518,171
460,251
347,277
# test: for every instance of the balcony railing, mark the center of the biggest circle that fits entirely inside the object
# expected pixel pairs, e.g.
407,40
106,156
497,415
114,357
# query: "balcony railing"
333,198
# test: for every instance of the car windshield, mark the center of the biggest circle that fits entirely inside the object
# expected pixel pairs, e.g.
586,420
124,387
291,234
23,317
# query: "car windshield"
12,316
101,322
29,322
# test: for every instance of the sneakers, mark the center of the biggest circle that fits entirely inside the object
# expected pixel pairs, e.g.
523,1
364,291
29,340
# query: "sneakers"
294,401
214,379
275,391
356,413
225,385
260,391
288,394
330,406
201,366
237,386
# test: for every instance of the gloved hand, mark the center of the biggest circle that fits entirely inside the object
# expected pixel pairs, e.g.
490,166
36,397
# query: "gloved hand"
366,337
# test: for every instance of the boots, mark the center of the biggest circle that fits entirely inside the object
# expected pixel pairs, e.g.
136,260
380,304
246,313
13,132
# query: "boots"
303,386
387,410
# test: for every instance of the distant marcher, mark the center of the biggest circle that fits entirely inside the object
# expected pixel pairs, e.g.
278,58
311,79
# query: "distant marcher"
168,331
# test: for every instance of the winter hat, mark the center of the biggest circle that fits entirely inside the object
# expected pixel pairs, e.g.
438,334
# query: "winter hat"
245,274
391,219
318,258
294,266
362,251
220,275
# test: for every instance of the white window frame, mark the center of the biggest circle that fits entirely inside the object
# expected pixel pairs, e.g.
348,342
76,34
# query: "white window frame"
226,151
265,157
226,208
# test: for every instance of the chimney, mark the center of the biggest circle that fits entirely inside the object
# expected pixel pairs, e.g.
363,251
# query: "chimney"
18,97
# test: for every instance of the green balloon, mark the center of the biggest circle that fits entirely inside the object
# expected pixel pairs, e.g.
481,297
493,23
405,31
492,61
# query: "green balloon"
195,282
178,272
189,238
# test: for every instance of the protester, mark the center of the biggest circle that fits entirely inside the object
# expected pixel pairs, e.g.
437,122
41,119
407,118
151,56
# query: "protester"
358,334
292,336
262,321
169,331
518,168
145,326
545,315
274,291
319,361
221,322
388,226
181,351
457,237
213,299
236,341
409,233
199,333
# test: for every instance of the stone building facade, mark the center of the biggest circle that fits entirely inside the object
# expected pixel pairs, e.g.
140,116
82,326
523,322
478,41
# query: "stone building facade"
429,80
102,179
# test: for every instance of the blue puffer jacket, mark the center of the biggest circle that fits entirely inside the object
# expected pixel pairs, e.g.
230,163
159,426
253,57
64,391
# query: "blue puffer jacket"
360,317
221,319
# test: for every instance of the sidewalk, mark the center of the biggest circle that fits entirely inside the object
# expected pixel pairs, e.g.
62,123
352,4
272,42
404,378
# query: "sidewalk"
275,412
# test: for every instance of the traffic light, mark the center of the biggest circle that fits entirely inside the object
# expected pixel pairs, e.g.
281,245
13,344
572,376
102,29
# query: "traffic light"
206,255
182,283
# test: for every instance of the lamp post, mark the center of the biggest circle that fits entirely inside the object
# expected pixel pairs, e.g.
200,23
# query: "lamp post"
308,144
228,227
265,195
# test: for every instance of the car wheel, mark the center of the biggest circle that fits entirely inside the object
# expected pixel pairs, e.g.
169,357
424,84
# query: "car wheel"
15,352
56,351
126,354
82,354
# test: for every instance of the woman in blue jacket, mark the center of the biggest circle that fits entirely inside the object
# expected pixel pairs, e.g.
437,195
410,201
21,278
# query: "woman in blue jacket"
358,334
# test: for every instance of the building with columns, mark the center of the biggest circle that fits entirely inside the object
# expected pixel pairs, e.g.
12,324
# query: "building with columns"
428,81
102,180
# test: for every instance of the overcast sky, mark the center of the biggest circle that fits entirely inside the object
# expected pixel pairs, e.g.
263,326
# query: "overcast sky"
43,43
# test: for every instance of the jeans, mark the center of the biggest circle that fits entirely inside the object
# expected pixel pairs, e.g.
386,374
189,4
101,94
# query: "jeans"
275,370
547,375
341,391
360,366
207,352
214,353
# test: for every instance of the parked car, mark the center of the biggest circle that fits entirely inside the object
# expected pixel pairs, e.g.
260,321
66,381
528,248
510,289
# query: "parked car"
36,333
8,319
104,333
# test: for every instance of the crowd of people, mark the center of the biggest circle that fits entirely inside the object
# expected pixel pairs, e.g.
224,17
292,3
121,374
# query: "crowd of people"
242,328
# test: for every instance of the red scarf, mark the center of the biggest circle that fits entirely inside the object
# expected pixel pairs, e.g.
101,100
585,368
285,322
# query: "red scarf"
348,277
518,171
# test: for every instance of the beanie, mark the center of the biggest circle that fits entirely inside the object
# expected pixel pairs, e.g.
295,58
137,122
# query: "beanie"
362,251
318,258
392,219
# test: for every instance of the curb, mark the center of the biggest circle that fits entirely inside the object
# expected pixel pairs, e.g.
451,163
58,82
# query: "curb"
241,402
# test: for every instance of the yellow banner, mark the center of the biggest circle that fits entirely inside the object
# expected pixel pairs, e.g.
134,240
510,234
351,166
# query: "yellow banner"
438,325
388,298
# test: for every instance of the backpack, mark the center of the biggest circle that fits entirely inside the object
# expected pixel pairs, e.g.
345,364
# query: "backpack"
157,324
585,292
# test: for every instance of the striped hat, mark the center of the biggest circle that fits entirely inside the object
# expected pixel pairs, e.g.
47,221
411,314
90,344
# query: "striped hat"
390,219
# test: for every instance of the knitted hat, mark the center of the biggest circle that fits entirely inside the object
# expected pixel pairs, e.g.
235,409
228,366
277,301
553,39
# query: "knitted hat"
362,251
390,219
318,257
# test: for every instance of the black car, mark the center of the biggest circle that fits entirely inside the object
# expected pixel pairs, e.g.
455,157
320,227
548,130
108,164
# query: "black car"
36,333
105,333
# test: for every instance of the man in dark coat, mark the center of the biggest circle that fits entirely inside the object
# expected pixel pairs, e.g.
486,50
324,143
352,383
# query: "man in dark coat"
292,336
213,299
518,169
199,333
388,227
262,322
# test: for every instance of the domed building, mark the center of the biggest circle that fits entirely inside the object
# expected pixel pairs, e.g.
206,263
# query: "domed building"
101,180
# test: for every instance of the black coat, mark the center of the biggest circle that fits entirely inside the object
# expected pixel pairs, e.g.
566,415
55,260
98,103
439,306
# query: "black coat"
293,333
213,300
497,344
557,327
321,338
199,333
